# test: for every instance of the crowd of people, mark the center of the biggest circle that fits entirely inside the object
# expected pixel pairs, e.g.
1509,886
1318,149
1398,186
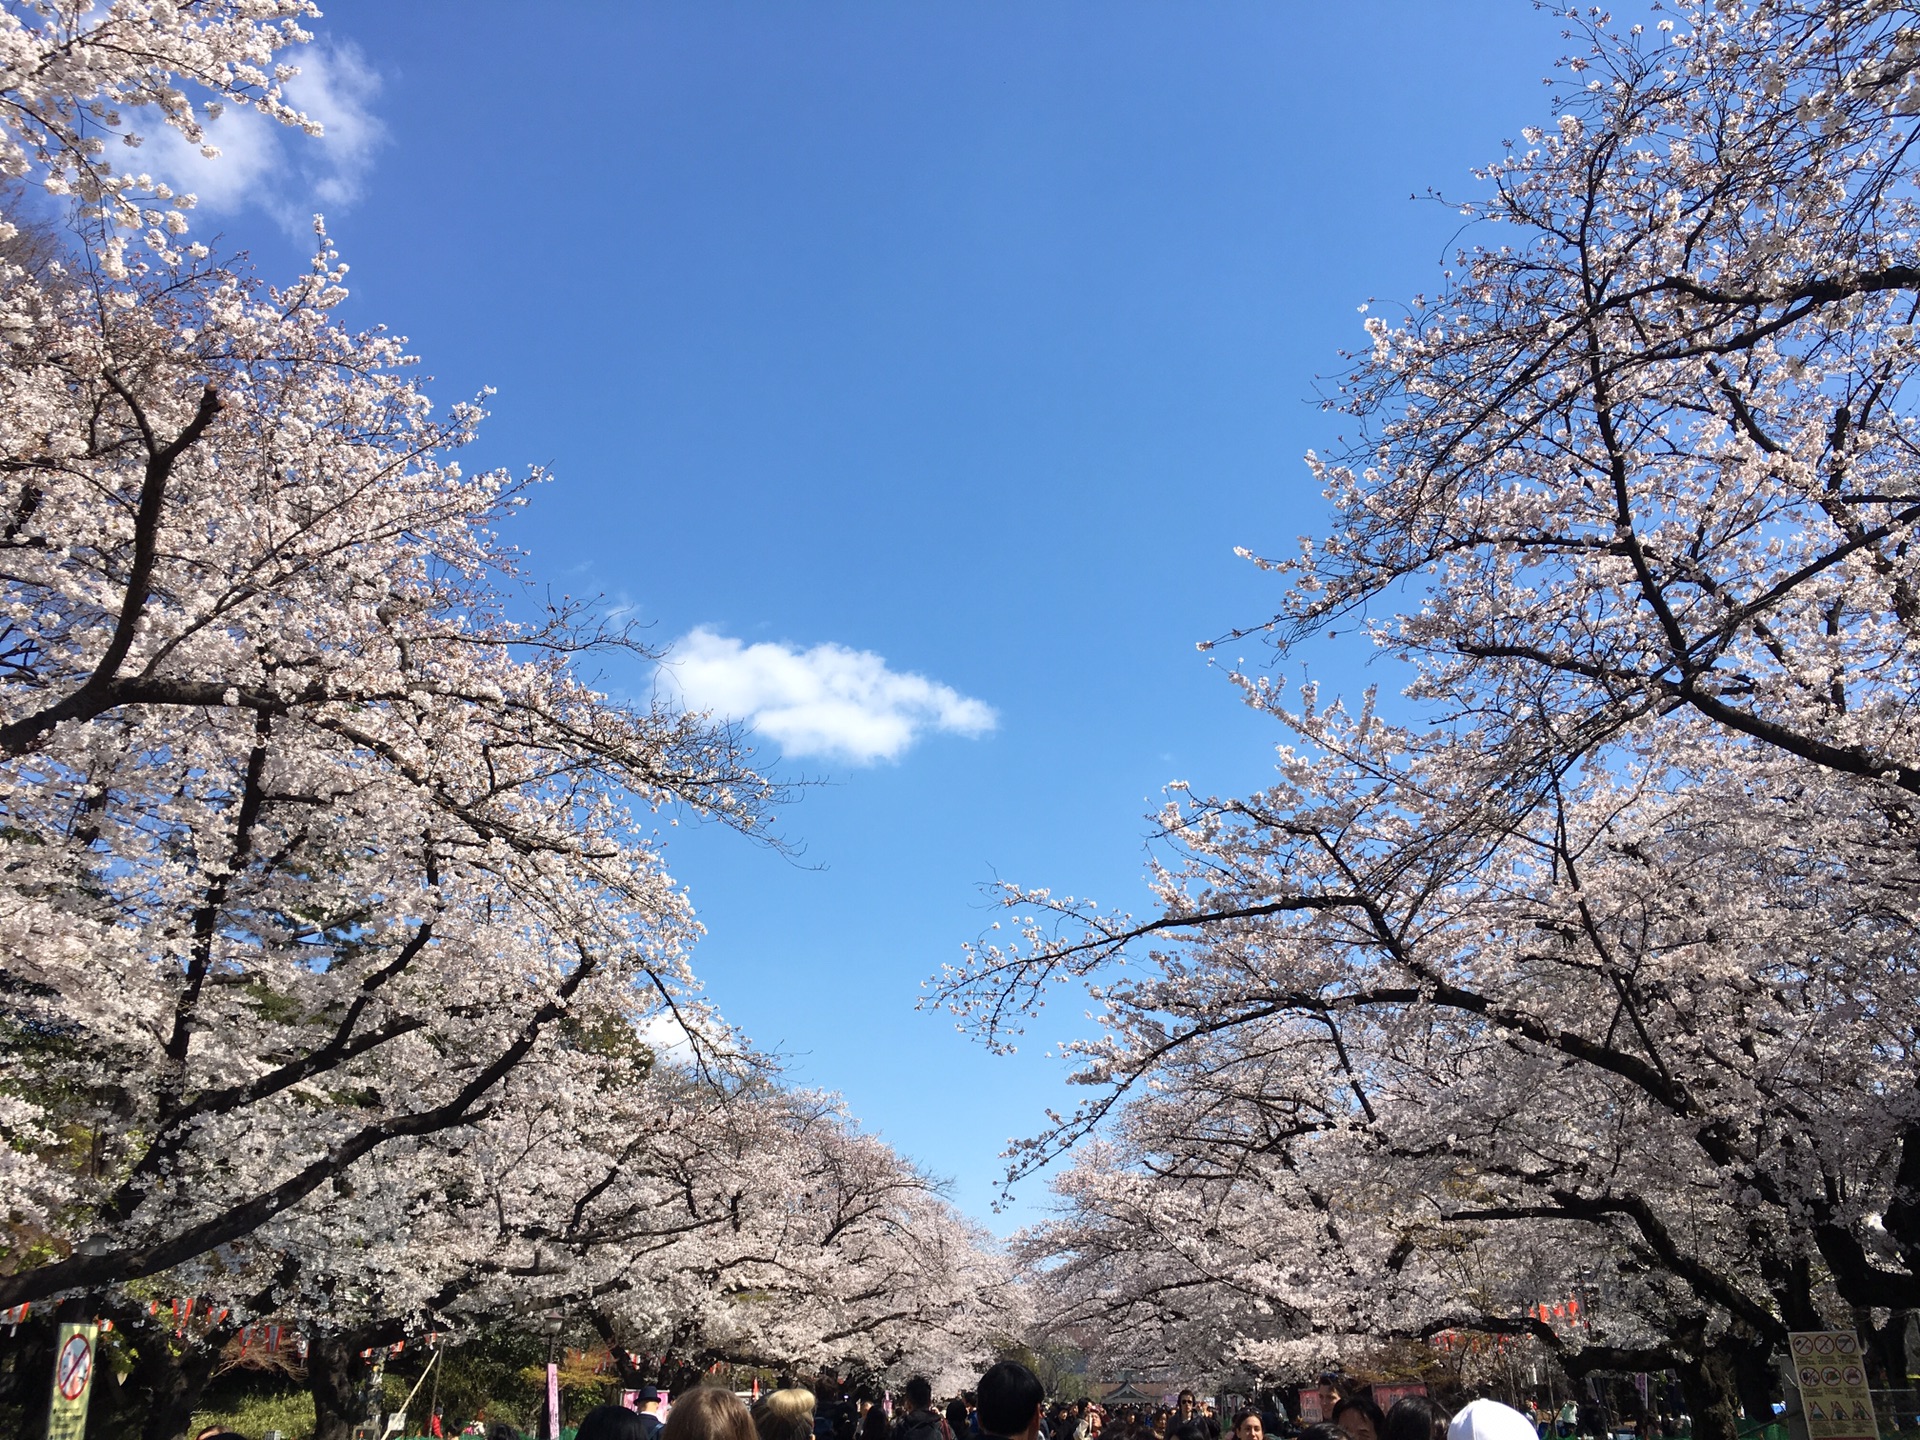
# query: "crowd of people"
1009,1403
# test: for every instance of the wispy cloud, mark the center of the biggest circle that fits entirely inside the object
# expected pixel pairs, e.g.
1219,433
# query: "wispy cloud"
826,701
270,167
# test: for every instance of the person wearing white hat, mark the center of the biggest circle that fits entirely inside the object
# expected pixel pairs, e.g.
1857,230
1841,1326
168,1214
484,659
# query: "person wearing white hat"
1490,1420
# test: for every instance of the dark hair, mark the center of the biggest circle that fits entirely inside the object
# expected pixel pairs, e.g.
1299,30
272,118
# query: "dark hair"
876,1426
957,1417
1323,1430
1198,1428
1364,1404
611,1422
1009,1396
708,1412
1246,1415
919,1392
1414,1417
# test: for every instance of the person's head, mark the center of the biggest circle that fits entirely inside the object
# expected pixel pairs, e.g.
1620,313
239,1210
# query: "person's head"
1186,1404
708,1413
1010,1400
501,1430
648,1399
1359,1417
784,1415
1415,1417
1248,1425
875,1425
1323,1430
1195,1427
1490,1420
919,1392
611,1422
957,1416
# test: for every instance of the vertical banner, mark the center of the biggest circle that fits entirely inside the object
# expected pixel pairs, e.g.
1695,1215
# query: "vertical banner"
1833,1385
553,1400
72,1382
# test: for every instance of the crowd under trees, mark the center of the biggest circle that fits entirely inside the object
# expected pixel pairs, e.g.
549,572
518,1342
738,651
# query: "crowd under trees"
333,926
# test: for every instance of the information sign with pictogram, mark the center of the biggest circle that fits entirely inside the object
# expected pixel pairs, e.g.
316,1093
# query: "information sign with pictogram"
1833,1385
73,1359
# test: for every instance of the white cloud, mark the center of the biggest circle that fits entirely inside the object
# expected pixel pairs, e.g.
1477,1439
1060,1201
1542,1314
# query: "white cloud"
275,168
828,700
663,1033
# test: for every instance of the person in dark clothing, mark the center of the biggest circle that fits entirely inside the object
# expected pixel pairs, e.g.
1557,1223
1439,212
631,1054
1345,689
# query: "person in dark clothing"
1415,1417
615,1422
1010,1400
957,1419
647,1397
841,1416
922,1421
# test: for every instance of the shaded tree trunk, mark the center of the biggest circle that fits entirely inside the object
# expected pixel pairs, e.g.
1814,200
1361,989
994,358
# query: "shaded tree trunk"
337,1378
1756,1378
1884,1347
26,1381
632,1368
1712,1387
171,1380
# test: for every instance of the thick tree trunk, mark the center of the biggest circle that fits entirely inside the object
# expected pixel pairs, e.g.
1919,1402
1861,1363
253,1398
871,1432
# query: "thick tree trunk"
1756,1378
1884,1347
26,1381
171,1379
632,1368
336,1376
1711,1385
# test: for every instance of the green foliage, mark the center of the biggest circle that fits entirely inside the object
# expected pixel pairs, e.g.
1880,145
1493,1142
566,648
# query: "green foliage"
485,1373
290,1412
1060,1368
271,1004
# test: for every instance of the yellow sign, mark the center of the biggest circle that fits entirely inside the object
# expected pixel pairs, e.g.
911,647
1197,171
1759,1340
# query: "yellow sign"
1833,1385
73,1360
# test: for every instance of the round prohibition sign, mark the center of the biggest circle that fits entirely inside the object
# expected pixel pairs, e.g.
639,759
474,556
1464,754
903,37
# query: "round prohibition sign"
75,1367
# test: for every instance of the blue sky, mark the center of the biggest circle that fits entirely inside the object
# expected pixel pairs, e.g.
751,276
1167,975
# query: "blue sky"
916,368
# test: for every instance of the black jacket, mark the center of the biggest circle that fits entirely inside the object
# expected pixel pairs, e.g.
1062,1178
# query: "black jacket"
920,1425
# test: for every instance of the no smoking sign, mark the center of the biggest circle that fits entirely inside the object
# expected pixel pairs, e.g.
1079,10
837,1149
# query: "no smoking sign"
75,1368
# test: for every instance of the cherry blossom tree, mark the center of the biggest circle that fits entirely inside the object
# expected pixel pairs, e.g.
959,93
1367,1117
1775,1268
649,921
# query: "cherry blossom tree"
312,834
1614,933
689,1223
